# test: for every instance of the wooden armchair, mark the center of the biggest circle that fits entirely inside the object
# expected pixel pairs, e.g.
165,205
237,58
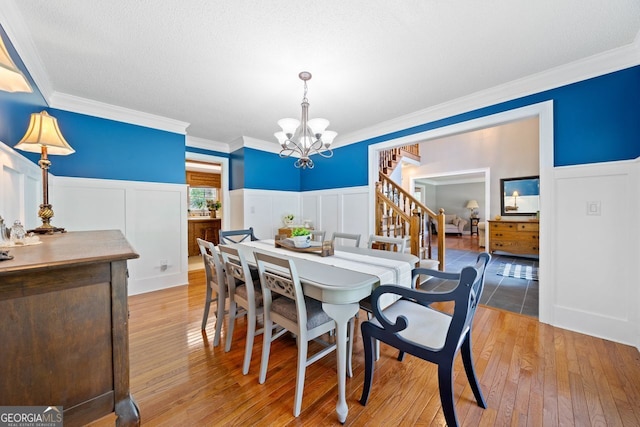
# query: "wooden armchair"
413,326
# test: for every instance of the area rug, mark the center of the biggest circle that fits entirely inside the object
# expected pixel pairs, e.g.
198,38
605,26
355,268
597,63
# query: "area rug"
518,271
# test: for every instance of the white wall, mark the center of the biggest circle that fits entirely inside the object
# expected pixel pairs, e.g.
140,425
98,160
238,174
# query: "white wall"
509,150
153,217
329,210
597,255
20,188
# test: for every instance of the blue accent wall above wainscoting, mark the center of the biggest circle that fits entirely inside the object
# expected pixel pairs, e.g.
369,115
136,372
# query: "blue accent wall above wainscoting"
595,120
268,171
107,149
347,168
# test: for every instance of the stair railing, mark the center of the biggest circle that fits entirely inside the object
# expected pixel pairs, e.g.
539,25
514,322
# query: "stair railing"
399,214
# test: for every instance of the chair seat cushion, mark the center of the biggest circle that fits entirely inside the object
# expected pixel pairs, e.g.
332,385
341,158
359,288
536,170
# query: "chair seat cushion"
426,326
286,307
241,291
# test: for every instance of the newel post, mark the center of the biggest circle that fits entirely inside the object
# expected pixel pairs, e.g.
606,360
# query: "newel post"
414,232
441,239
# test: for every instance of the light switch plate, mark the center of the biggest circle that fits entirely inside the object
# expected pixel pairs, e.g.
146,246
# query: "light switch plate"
593,208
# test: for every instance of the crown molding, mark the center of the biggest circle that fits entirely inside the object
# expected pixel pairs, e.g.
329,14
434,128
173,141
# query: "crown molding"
261,144
76,104
593,66
206,144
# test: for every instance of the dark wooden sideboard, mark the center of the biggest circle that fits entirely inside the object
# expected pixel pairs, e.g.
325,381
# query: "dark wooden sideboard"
64,338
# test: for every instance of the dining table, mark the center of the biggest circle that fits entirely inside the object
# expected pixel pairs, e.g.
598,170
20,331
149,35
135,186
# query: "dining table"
340,281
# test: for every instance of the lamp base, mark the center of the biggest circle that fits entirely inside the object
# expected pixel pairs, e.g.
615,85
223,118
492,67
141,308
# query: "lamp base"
47,230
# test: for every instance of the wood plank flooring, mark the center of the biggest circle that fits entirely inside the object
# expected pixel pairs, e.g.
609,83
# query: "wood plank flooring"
531,374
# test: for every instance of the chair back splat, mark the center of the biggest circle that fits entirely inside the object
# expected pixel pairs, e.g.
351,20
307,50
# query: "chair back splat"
346,236
236,236
393,244
413,326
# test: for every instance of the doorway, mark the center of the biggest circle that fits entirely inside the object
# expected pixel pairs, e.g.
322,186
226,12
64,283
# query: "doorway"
544,112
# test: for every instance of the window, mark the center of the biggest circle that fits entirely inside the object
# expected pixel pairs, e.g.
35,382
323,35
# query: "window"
198,197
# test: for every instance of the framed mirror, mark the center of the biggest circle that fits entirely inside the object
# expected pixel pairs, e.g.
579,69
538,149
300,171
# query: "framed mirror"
520,196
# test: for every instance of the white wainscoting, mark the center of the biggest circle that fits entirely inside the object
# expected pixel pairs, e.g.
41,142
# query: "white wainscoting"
343,209
20,188
597,255
152,216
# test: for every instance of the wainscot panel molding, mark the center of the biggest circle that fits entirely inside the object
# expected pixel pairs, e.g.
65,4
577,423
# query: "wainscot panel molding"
263,210
341,209
152,216
597,249
20,188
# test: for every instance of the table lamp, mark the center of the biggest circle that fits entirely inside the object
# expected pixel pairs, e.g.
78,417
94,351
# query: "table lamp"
43,136
472,206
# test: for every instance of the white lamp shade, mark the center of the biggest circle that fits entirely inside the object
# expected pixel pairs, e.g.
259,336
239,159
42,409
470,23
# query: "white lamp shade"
318,126
472,204
289,126
282,138
43,131
11,79
328,137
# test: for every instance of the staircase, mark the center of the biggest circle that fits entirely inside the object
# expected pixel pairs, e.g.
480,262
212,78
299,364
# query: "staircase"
399,214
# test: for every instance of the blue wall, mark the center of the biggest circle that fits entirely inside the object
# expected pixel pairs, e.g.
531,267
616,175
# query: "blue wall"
596,120
108,149
267,171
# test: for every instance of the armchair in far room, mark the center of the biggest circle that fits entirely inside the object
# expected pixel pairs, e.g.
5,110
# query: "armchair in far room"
481,236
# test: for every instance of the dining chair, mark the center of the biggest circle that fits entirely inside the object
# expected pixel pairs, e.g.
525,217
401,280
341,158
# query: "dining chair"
317,235
346,236
294,312
413,326
395,244
216,282
236,236
244,291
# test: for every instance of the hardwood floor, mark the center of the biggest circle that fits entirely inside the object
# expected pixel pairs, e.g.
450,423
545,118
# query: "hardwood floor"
531,374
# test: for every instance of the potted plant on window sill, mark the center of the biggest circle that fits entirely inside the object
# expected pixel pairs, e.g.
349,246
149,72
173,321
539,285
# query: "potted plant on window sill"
213,207
301,237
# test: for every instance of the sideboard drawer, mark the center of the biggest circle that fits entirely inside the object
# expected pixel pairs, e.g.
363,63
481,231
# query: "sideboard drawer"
517,237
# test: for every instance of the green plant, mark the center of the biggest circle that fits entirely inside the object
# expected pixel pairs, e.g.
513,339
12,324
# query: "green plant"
213,205
300,232
289,217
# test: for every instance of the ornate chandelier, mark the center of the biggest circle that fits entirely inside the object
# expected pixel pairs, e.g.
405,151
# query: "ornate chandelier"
305,137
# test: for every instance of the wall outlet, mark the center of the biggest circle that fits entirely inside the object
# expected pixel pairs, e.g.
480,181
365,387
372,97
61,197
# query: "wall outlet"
163,265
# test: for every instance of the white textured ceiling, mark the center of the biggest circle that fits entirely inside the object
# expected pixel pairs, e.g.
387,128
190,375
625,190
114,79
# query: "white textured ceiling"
230,67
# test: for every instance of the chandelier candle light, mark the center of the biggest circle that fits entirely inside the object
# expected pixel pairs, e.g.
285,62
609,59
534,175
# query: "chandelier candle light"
305,137
43,136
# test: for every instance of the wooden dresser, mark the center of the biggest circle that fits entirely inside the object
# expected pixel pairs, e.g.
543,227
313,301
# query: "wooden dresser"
516,237
65,334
